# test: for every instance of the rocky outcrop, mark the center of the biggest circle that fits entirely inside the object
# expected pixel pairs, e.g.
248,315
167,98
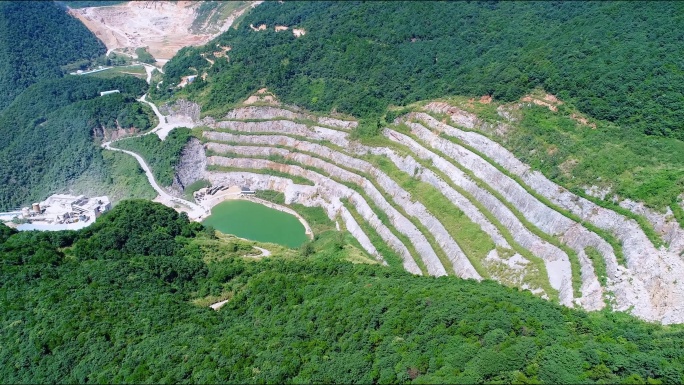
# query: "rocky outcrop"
664,224
191,165
181,107
108,135
470,120
267,112
286,127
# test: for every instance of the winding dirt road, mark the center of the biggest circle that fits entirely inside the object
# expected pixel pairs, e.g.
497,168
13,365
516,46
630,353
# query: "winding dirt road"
194,211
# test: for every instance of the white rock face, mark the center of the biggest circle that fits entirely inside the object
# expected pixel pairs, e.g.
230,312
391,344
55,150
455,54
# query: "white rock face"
461,264
268,112
541,216
412,167
664,224
650,285
556,261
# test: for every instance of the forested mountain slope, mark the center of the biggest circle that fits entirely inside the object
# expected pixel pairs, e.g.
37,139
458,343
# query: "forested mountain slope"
37,38
616,61
48,134
126,301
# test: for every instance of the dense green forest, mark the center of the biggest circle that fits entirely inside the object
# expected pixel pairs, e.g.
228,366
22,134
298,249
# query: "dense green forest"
38,39
160,156
616,61
48,134
123,301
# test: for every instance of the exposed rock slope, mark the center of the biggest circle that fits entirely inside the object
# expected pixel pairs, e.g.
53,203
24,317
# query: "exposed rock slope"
163,26
534,234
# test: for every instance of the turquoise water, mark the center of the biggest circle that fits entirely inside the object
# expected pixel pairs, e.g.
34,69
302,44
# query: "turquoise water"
257,222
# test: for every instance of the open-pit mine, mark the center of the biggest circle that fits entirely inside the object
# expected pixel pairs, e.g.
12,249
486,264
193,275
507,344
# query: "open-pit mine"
447,200
164,27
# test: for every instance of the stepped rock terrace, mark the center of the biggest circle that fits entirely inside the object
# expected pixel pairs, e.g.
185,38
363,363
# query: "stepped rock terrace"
449,200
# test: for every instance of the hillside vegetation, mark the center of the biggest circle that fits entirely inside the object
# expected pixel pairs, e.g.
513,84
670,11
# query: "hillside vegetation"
120,302
616,61
48,136
38,39
162,156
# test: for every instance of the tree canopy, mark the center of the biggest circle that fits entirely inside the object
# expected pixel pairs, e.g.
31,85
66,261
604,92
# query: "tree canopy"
616,61
48,134
120,300
38,38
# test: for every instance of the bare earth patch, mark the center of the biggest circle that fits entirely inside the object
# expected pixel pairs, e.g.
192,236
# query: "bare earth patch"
163,26
553,106
298,32
486,99
262,96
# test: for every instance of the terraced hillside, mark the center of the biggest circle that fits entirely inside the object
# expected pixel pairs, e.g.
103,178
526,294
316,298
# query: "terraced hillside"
447,200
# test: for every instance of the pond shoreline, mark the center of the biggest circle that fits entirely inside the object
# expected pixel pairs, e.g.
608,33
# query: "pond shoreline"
215,200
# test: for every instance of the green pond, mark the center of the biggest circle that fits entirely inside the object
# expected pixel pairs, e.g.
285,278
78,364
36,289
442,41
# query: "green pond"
257,222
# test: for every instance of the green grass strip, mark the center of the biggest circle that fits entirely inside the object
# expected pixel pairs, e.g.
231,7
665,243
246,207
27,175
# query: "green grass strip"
572,256
678,213
541,280
390,256
646,226
599,264
474,242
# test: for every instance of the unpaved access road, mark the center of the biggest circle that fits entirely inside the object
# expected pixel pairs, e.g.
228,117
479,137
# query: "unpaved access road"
194,211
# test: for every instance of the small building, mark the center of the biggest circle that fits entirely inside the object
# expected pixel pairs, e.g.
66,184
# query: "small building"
191,78
103,93
244,190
